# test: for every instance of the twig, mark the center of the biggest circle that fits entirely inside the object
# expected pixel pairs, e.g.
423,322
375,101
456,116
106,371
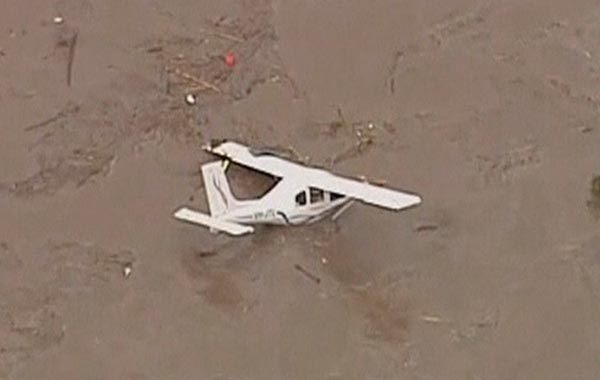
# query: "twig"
226,36
341,116
297,155
155,49
207,253
44,123
72,45
201,82
287,77
426,227
62,113
199,87
309,275
350,152
197,80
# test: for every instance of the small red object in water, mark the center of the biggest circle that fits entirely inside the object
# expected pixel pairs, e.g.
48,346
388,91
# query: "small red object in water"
230,59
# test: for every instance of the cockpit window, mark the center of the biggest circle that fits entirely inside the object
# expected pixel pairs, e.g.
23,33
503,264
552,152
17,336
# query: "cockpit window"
316,195
301,198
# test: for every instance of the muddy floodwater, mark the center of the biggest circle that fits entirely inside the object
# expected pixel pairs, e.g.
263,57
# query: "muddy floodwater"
487,109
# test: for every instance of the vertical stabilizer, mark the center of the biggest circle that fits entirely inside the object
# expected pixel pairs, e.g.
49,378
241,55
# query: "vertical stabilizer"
220,198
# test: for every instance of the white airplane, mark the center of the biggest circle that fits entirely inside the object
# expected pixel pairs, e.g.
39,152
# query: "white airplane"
302,194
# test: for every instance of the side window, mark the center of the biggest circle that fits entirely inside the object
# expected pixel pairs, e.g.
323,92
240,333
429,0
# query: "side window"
301,198
334,196
316,195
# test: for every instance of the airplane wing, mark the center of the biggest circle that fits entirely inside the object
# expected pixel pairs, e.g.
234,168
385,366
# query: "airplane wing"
280,167
195,217
363,191
265,162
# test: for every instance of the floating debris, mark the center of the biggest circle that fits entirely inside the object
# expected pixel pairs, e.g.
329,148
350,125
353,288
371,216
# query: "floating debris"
596,187
587,54
72,43
230,59
324,260
199,82
154,49
69,109
190,99
433,319
594,200
306,273
424,227
203,254
58,20
127,269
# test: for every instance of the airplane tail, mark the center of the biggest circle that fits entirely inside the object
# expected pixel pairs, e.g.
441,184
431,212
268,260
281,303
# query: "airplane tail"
220,198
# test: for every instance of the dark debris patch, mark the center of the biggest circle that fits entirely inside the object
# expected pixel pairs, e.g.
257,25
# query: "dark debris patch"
32,310
76,169
594,197
197,65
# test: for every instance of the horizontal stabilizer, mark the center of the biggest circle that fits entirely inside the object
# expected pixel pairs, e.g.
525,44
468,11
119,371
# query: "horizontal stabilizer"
195,217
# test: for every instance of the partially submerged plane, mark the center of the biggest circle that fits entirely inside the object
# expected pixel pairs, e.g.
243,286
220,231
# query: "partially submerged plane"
302,195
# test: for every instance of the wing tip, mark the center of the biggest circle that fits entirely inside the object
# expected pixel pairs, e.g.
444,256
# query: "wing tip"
416,199
213,143
180,212
409,201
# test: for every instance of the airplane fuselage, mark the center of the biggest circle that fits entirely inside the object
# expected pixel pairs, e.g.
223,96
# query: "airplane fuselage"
257,212
286,204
